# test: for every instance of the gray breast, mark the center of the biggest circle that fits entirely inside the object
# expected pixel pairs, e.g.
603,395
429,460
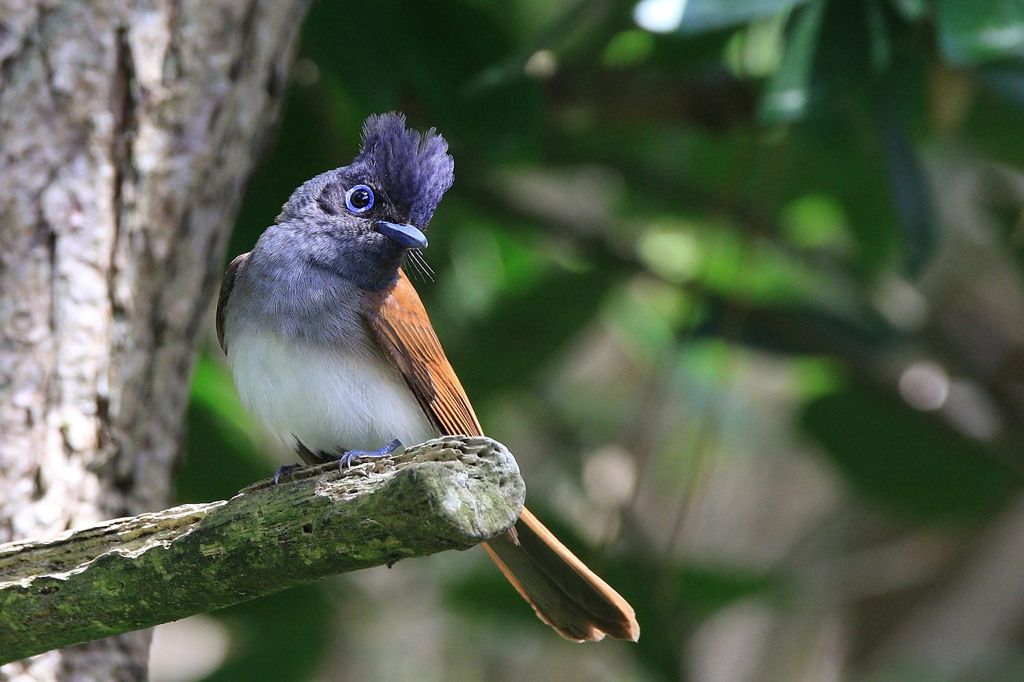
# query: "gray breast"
279,290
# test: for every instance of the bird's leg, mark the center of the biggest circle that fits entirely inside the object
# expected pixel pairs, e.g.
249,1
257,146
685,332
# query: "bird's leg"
284,469
349,456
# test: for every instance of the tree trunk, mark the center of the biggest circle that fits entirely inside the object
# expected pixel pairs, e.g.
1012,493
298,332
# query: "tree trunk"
127,131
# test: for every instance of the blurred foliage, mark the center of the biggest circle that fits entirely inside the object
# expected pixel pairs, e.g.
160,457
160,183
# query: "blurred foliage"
740,286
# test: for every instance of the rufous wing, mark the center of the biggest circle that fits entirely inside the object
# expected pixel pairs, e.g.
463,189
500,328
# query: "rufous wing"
562,590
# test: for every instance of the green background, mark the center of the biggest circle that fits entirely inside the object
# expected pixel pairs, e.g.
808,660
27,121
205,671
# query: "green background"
743,295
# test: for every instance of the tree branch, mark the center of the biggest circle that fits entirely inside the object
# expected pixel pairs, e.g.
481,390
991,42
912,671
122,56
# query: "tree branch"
130,573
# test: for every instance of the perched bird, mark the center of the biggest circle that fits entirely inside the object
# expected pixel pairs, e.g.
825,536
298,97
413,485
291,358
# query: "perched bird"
332,350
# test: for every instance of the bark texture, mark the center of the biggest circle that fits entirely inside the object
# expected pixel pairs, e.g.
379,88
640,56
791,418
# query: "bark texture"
127,131
449,493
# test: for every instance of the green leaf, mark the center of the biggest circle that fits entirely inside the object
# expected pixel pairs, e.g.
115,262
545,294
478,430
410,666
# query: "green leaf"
797,330
972,32
908,461
789,91
911,194
628,49
835,52
708,15
878,35
911,10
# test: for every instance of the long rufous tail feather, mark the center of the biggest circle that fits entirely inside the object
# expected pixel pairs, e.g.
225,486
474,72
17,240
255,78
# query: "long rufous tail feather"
564,593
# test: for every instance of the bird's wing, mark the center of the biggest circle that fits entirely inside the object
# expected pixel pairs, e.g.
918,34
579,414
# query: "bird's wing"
226,285
403,329
563,591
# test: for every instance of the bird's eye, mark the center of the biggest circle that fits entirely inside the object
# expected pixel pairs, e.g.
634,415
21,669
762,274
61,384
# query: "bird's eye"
359,199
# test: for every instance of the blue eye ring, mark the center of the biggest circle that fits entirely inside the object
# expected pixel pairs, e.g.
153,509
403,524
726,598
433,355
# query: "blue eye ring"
359,199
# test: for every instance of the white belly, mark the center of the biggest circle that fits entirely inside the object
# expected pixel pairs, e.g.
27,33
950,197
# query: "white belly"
329,399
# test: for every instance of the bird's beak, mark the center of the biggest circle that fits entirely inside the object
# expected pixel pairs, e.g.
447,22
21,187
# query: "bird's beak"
407,236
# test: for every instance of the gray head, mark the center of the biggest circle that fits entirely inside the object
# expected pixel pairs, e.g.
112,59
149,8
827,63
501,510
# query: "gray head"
360,219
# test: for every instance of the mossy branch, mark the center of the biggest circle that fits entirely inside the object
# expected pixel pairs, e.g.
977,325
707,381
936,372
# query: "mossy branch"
448,493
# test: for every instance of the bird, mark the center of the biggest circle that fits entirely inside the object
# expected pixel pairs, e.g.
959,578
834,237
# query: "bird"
332,350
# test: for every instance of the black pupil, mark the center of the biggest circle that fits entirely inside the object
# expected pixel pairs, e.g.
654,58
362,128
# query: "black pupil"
360,198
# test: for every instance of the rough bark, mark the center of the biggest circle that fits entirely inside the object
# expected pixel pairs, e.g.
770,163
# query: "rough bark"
127,130
449,493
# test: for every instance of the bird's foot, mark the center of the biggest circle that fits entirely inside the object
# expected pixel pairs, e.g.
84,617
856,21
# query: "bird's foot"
350,456
284,469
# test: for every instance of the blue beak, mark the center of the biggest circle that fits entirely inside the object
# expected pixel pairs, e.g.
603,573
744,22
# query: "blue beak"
407,236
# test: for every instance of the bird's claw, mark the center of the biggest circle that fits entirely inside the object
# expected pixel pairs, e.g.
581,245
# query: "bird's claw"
350,456
284,469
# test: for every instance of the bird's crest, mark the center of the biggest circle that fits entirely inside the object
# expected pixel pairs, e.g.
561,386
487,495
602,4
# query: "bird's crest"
413,168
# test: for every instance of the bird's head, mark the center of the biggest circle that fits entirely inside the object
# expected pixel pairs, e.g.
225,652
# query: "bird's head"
362,218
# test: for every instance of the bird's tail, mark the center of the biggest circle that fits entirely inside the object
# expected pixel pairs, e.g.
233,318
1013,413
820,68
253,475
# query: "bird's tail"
564,593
